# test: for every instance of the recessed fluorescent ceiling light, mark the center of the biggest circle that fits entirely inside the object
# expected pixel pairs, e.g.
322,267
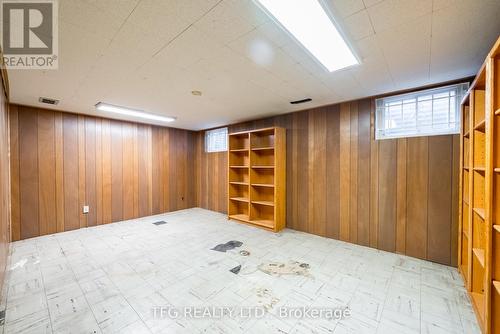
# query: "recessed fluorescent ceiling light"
132,112
308,22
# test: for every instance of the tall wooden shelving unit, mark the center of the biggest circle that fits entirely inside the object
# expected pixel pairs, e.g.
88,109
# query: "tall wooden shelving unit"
257,178
479,214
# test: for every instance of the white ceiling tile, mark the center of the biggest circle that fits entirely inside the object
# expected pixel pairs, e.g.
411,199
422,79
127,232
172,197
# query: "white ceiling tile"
392,13
407,51
226,22
346,8
370,3
358,25
89,18
449,56
119,8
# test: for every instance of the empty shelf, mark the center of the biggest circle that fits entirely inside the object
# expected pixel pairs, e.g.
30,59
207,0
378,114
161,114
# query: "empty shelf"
239,217
496,170
479,169
238,166
239,183
497,112
262,148
263,185
240,150
263,167
263,222
479,253
496,228
480,212
239,199
268,203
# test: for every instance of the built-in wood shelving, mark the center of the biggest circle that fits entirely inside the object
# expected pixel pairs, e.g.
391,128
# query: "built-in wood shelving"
239,183
257,172
263,185
479,210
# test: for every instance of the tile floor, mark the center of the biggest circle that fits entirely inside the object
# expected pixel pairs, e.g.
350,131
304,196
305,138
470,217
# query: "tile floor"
108,279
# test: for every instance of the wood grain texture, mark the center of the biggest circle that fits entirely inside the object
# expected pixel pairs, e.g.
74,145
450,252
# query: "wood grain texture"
337,171
6,191
62,162
417,168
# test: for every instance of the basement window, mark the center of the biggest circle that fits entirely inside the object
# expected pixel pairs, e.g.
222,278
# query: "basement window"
429,112
216,140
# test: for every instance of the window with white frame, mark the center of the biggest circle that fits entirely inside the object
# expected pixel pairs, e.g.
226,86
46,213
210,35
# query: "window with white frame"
216,140
423,113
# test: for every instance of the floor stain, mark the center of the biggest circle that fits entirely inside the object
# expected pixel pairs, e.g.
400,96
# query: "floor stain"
227,246
290,268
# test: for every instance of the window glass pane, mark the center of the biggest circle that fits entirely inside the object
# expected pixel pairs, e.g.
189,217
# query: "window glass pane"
216,140
423,113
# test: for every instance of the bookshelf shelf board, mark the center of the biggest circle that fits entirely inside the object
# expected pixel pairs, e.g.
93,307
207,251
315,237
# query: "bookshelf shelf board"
239,199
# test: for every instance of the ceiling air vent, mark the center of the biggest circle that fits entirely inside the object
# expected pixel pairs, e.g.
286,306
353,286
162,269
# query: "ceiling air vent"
301,101
47,100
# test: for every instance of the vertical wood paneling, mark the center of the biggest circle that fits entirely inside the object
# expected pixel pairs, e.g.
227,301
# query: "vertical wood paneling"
333,173
90,171
59,169
165,152
374,183
345,170
116,171
353,187
363,198
317,172
401,197
47,176
81,170
387,190
14,171
440,196
417,169
107,177
128,171
99,172
28,172
144,167
70,170
68,161
301,122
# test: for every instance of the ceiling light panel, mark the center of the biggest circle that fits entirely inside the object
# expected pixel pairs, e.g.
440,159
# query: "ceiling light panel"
132,112
308,22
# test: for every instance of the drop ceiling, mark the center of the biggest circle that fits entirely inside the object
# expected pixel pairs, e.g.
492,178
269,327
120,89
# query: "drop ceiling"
151,54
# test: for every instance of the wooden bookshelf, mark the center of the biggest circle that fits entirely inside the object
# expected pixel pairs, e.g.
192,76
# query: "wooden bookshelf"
479,210
257,161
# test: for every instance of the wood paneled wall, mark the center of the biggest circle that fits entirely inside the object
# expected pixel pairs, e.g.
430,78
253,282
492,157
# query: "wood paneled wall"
4,181
61,162
396,195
